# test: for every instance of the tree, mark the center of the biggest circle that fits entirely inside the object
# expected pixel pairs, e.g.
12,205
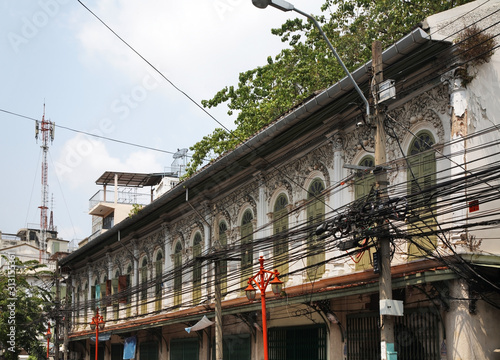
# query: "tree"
307,65
25,308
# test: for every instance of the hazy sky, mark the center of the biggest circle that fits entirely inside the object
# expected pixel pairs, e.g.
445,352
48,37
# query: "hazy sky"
57,52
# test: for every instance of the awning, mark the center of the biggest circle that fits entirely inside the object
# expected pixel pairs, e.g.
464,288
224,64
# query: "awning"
200,325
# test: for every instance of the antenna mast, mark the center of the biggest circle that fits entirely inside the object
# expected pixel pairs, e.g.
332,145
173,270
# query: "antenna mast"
47,130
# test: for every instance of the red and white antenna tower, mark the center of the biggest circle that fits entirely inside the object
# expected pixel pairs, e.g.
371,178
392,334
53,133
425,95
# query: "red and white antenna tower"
47,129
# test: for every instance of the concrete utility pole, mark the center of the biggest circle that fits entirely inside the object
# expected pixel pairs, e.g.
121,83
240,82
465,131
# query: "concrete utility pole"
58,313
66,318
219,345
384,241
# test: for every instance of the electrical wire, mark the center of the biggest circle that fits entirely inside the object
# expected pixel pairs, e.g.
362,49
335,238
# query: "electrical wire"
92,135
305,230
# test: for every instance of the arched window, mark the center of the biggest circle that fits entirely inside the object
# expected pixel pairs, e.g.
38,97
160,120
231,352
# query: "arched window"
363,184
315,215
280,246
178,274
246,247
197,268
158,280
144,286
222,276
421,178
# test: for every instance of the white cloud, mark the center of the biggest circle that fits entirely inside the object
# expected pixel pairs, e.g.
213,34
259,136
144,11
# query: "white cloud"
83,160
200,45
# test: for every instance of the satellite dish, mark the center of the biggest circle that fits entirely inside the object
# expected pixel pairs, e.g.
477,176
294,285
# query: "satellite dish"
180,153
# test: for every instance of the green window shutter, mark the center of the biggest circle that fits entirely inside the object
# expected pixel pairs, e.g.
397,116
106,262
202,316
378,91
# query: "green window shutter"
62,292
362,187
144,281
78,292
144,286
114,286
178,275
85,303
315,215
105,290
222,277
421,177
159,281
280,246
246,247
197,269
97,295
93,293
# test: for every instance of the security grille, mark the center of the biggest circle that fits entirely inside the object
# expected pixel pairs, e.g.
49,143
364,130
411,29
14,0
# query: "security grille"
148,351
416,335
297,343
116,351
184,349
236,347
100,352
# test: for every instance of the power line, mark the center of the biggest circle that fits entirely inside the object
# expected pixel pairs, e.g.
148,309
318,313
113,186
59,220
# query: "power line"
92,135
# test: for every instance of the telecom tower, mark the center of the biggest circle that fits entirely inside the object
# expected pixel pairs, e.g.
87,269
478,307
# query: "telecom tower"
47,130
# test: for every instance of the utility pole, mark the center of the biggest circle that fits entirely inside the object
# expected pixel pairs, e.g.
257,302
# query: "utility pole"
219,346
66,318
384,241
58,313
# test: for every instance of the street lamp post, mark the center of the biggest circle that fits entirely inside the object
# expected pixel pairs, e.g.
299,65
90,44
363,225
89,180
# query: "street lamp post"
48,336
262,279
97,323
387,330
286,6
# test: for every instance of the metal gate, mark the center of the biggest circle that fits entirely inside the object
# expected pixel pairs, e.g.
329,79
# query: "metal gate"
184,349
148,351
297,343
416,335
116,351
236,347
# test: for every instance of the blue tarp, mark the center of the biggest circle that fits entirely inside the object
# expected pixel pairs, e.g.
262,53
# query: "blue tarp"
129,347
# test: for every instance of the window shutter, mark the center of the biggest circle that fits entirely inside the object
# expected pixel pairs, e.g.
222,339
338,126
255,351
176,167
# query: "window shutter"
122,286
104,292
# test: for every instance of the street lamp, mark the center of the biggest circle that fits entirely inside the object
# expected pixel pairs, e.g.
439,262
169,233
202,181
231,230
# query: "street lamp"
286,6
48,336
97,324
262,279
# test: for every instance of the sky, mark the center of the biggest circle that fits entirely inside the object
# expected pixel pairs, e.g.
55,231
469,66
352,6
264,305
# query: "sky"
55,52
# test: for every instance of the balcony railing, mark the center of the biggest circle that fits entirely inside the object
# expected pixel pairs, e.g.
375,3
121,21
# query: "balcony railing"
123,197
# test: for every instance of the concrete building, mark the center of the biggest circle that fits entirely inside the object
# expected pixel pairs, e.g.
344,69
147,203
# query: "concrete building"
152,275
